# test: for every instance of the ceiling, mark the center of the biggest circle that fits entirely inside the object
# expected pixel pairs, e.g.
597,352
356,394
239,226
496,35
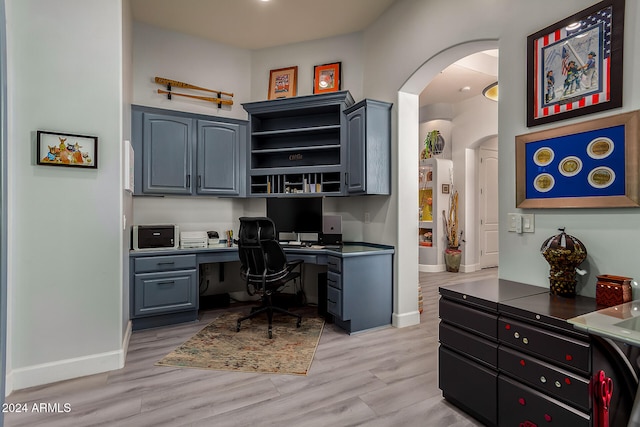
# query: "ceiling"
257,24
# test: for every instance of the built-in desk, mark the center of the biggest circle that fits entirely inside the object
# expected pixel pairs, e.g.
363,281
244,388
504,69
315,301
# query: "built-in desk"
359,288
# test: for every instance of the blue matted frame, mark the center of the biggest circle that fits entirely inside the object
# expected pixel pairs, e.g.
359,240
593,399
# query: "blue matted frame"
585,165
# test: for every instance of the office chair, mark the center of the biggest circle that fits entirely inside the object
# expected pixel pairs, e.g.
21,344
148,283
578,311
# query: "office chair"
264,266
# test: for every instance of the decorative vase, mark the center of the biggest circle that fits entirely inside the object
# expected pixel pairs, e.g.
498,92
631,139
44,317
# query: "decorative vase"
564,253
452,258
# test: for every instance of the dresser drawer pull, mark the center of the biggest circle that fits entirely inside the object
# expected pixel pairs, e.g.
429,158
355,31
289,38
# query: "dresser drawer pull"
507,326
569,357
547,418
522,401
516,335
543,380
537,317
567,381
558,384
331,301
167,263
525,340
522,362
528,424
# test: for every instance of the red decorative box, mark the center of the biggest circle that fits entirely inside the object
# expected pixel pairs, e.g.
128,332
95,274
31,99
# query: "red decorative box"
613,290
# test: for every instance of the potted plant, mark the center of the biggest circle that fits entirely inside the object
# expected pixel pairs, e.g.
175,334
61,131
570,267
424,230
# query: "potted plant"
452,254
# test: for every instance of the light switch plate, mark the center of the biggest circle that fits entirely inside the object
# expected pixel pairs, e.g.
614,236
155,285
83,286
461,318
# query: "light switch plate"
513,220
528,225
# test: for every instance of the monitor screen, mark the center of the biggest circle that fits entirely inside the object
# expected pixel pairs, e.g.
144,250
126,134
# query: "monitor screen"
296,215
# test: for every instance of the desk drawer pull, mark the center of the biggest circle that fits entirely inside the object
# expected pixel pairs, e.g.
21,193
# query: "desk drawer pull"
166,263
169,282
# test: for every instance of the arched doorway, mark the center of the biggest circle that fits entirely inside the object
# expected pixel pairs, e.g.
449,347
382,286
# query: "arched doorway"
408,126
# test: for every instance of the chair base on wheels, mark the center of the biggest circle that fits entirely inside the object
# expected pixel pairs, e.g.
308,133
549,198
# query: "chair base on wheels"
269,308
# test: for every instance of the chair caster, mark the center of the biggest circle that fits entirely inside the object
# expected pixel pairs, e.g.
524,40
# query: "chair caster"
238,327
270,334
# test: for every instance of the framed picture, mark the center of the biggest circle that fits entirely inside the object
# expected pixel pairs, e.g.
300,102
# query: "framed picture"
445,188
585,165
326,78
574,67
66,149
283,82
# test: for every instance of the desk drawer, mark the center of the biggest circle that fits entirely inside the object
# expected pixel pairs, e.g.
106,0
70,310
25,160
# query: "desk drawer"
334,263
554,347
476,321
468,344
551,380
334,301
156,293
520,404
334,279
164,263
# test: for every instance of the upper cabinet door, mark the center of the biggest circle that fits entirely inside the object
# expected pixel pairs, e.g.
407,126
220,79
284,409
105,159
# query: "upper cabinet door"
218,157
356,136
166,145
368,168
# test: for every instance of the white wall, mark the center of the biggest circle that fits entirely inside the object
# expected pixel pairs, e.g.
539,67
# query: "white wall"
65,266
178,56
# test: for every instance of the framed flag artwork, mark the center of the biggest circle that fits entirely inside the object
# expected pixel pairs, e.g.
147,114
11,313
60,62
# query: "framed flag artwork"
574,67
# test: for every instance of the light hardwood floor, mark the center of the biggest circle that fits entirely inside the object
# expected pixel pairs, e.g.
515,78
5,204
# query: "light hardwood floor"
386,377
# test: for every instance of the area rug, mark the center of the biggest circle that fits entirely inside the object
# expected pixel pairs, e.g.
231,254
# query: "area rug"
218,346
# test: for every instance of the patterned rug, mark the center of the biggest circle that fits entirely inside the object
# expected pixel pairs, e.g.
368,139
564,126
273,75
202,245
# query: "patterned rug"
218,346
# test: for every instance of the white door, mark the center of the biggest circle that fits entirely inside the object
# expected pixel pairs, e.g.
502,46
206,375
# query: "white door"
488,182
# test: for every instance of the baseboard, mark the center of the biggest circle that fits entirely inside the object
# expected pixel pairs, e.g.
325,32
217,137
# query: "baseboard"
469,268
406,319
427,268
125,342
52,372
8,384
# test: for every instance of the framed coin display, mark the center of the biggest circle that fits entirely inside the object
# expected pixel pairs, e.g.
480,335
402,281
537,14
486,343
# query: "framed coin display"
590,165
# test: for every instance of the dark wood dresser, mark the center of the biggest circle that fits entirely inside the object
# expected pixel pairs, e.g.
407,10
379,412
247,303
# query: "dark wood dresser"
509,357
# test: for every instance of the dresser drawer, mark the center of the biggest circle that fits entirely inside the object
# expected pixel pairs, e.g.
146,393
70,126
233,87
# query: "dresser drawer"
470,345
334,279
334,263
551,380
554,347
164,263
520,404
476,321
157,293
469,385
334,301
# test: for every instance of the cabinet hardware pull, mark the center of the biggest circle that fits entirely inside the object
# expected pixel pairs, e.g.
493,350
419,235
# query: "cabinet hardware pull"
346,181
199,181
188,180
331,301
525,340
171,282
543,379
167,263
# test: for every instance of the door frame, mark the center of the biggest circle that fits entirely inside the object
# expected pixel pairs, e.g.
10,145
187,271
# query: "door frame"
3,205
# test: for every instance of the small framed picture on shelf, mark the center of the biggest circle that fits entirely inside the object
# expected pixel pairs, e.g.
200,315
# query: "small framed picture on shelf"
445,188
326,77
283,82
66,149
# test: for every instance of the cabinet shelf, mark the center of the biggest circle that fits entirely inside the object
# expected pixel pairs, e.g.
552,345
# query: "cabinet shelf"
292,149
302,130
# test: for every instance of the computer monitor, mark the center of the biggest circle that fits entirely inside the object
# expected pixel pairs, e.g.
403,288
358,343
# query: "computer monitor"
296,215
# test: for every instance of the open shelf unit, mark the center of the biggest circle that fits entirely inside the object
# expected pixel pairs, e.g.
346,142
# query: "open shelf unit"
432,173
297,145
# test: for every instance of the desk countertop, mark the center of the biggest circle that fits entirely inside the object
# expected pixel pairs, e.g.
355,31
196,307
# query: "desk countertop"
348,249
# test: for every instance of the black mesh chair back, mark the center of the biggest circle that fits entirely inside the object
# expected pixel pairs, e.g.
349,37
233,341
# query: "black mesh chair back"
264,265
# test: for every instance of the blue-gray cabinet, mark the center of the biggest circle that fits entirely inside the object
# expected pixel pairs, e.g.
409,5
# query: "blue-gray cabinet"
164,290
368,163
178,153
